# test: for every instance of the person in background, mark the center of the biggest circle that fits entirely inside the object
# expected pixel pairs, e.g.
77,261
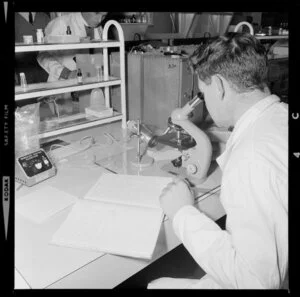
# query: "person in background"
27,23
252,252
62,64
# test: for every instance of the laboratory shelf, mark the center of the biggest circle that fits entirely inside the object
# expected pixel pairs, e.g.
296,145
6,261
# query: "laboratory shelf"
21,47
79,121
85,121
62,86
272,37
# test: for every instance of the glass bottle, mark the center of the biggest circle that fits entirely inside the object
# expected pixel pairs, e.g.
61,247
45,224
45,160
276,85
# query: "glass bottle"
133,19
68,32
23,80
144,17
138,18
40,36
79,76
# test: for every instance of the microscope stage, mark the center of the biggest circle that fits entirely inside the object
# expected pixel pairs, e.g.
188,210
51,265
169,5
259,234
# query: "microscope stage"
185,141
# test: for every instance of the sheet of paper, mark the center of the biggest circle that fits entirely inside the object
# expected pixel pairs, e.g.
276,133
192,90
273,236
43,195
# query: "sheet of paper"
128,189
40,263
111,228
40,205
20,283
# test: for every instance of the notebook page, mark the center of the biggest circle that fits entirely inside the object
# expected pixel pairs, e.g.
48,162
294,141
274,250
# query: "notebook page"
128,189
116,229
40,205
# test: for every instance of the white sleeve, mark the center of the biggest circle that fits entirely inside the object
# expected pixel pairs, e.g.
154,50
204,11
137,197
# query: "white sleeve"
245,254
48,60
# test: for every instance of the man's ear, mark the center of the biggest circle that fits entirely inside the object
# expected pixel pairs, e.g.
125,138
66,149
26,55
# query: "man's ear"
220,84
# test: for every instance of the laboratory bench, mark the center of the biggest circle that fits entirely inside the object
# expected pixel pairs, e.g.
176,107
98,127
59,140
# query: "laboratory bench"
39,264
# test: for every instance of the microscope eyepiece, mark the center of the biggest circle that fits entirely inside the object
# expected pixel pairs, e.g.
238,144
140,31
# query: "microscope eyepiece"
196,100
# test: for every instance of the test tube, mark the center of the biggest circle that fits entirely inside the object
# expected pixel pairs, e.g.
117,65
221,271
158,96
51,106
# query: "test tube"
23,80
99,72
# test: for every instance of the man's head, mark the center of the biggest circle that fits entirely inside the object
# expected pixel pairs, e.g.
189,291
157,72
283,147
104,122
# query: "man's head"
229,66
93,19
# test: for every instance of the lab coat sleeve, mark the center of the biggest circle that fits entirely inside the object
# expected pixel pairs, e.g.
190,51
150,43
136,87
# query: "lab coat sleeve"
49,60
245,254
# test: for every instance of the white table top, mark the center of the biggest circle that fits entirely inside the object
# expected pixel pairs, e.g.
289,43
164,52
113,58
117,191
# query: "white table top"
46,266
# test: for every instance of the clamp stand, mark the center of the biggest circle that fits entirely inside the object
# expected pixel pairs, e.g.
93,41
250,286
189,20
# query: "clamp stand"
140,160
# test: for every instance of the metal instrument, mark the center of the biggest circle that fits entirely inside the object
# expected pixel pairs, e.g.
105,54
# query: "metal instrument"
175,136
145,133
145,136
34,167
183,134
195,145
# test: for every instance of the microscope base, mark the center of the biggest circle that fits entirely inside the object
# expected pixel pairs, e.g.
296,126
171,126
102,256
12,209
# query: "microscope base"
126,163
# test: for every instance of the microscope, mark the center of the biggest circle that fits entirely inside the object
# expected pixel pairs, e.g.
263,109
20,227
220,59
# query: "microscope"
193,144
190,140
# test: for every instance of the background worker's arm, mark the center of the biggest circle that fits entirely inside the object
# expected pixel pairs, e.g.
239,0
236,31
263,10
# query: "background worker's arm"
50,61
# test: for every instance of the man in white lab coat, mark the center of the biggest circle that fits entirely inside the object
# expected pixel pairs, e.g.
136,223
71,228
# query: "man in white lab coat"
61,64
252,253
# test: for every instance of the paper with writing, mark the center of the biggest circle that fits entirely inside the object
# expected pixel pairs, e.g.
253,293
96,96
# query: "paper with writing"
119,215
109,228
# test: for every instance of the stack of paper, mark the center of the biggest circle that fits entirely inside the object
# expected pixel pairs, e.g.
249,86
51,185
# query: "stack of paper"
120,215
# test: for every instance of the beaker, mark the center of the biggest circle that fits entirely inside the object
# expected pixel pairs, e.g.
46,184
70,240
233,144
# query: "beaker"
99,72
27,121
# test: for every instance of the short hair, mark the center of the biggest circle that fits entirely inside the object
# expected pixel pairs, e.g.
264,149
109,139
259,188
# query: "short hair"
239,57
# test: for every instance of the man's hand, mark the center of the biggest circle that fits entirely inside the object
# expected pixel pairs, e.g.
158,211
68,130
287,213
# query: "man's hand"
73,74
174,196
68,74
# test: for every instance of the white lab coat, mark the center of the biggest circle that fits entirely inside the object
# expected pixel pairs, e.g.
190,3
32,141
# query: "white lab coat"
54,61
252,253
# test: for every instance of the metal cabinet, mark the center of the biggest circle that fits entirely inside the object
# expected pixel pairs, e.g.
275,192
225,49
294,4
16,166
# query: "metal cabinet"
157,85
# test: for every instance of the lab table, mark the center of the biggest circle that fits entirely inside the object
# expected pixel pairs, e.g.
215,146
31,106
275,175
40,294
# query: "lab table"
39,264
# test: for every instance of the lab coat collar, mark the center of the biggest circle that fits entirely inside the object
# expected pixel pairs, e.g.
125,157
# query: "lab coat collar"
81,19
243,123
25,15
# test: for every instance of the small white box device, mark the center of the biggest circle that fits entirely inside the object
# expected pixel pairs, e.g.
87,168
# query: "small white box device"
33,168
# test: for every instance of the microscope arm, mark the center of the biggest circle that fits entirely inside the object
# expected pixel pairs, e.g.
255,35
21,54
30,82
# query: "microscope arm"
199,159
200,155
